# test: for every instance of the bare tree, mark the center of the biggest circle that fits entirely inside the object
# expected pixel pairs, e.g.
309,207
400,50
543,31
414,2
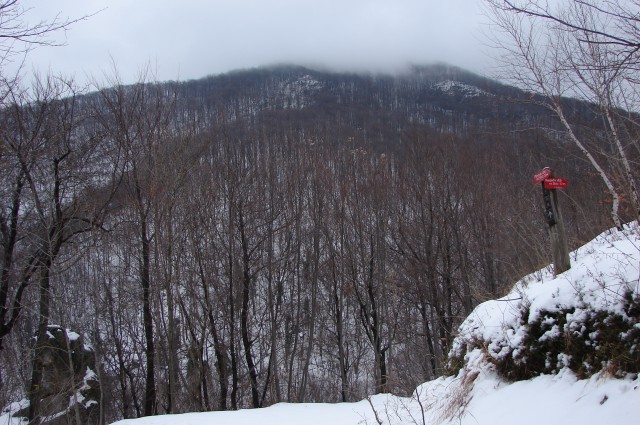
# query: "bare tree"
578,48
136,119
19,35
368,214
60,186
616,24
17,149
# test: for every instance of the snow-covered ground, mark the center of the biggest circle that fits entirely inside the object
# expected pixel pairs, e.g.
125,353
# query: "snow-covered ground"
545,400
601,272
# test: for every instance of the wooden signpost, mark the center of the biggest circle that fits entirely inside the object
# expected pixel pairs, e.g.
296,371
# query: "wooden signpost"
559,246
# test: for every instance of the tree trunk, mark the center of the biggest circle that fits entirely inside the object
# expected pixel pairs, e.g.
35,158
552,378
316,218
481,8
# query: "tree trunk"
35,390
145,278
218,347
244,314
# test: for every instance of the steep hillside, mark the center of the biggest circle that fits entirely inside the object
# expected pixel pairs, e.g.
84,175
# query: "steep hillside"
603,282
442,98
281,234
586,320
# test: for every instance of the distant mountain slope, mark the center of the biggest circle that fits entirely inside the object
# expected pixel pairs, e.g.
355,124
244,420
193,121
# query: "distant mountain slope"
441,98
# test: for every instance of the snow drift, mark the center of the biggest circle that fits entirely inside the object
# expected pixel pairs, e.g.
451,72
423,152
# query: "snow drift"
585,320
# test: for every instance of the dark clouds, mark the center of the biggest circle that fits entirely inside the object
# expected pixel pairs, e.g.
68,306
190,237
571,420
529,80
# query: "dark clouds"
193,38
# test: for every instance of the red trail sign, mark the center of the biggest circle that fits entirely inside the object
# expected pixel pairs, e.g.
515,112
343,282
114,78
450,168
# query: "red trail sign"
541,176
555,183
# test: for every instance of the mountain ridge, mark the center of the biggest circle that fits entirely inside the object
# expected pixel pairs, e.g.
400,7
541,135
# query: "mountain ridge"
438,98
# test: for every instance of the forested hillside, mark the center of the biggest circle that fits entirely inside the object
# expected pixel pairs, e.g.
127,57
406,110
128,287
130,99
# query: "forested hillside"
278,234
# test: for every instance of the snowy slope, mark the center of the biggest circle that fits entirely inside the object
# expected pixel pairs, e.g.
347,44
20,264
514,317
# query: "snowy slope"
602,272
549,400
600,287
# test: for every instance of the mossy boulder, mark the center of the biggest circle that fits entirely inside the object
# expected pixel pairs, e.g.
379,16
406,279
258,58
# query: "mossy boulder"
69,391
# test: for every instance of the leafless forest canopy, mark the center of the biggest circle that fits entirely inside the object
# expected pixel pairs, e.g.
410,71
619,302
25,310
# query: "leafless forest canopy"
279,234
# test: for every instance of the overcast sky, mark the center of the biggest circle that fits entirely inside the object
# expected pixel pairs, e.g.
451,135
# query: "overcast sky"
189,39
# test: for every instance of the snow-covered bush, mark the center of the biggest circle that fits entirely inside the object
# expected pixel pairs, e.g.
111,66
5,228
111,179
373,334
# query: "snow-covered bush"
586,320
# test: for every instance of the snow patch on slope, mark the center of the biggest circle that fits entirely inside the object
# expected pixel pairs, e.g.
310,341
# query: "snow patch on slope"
297,93
459,88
